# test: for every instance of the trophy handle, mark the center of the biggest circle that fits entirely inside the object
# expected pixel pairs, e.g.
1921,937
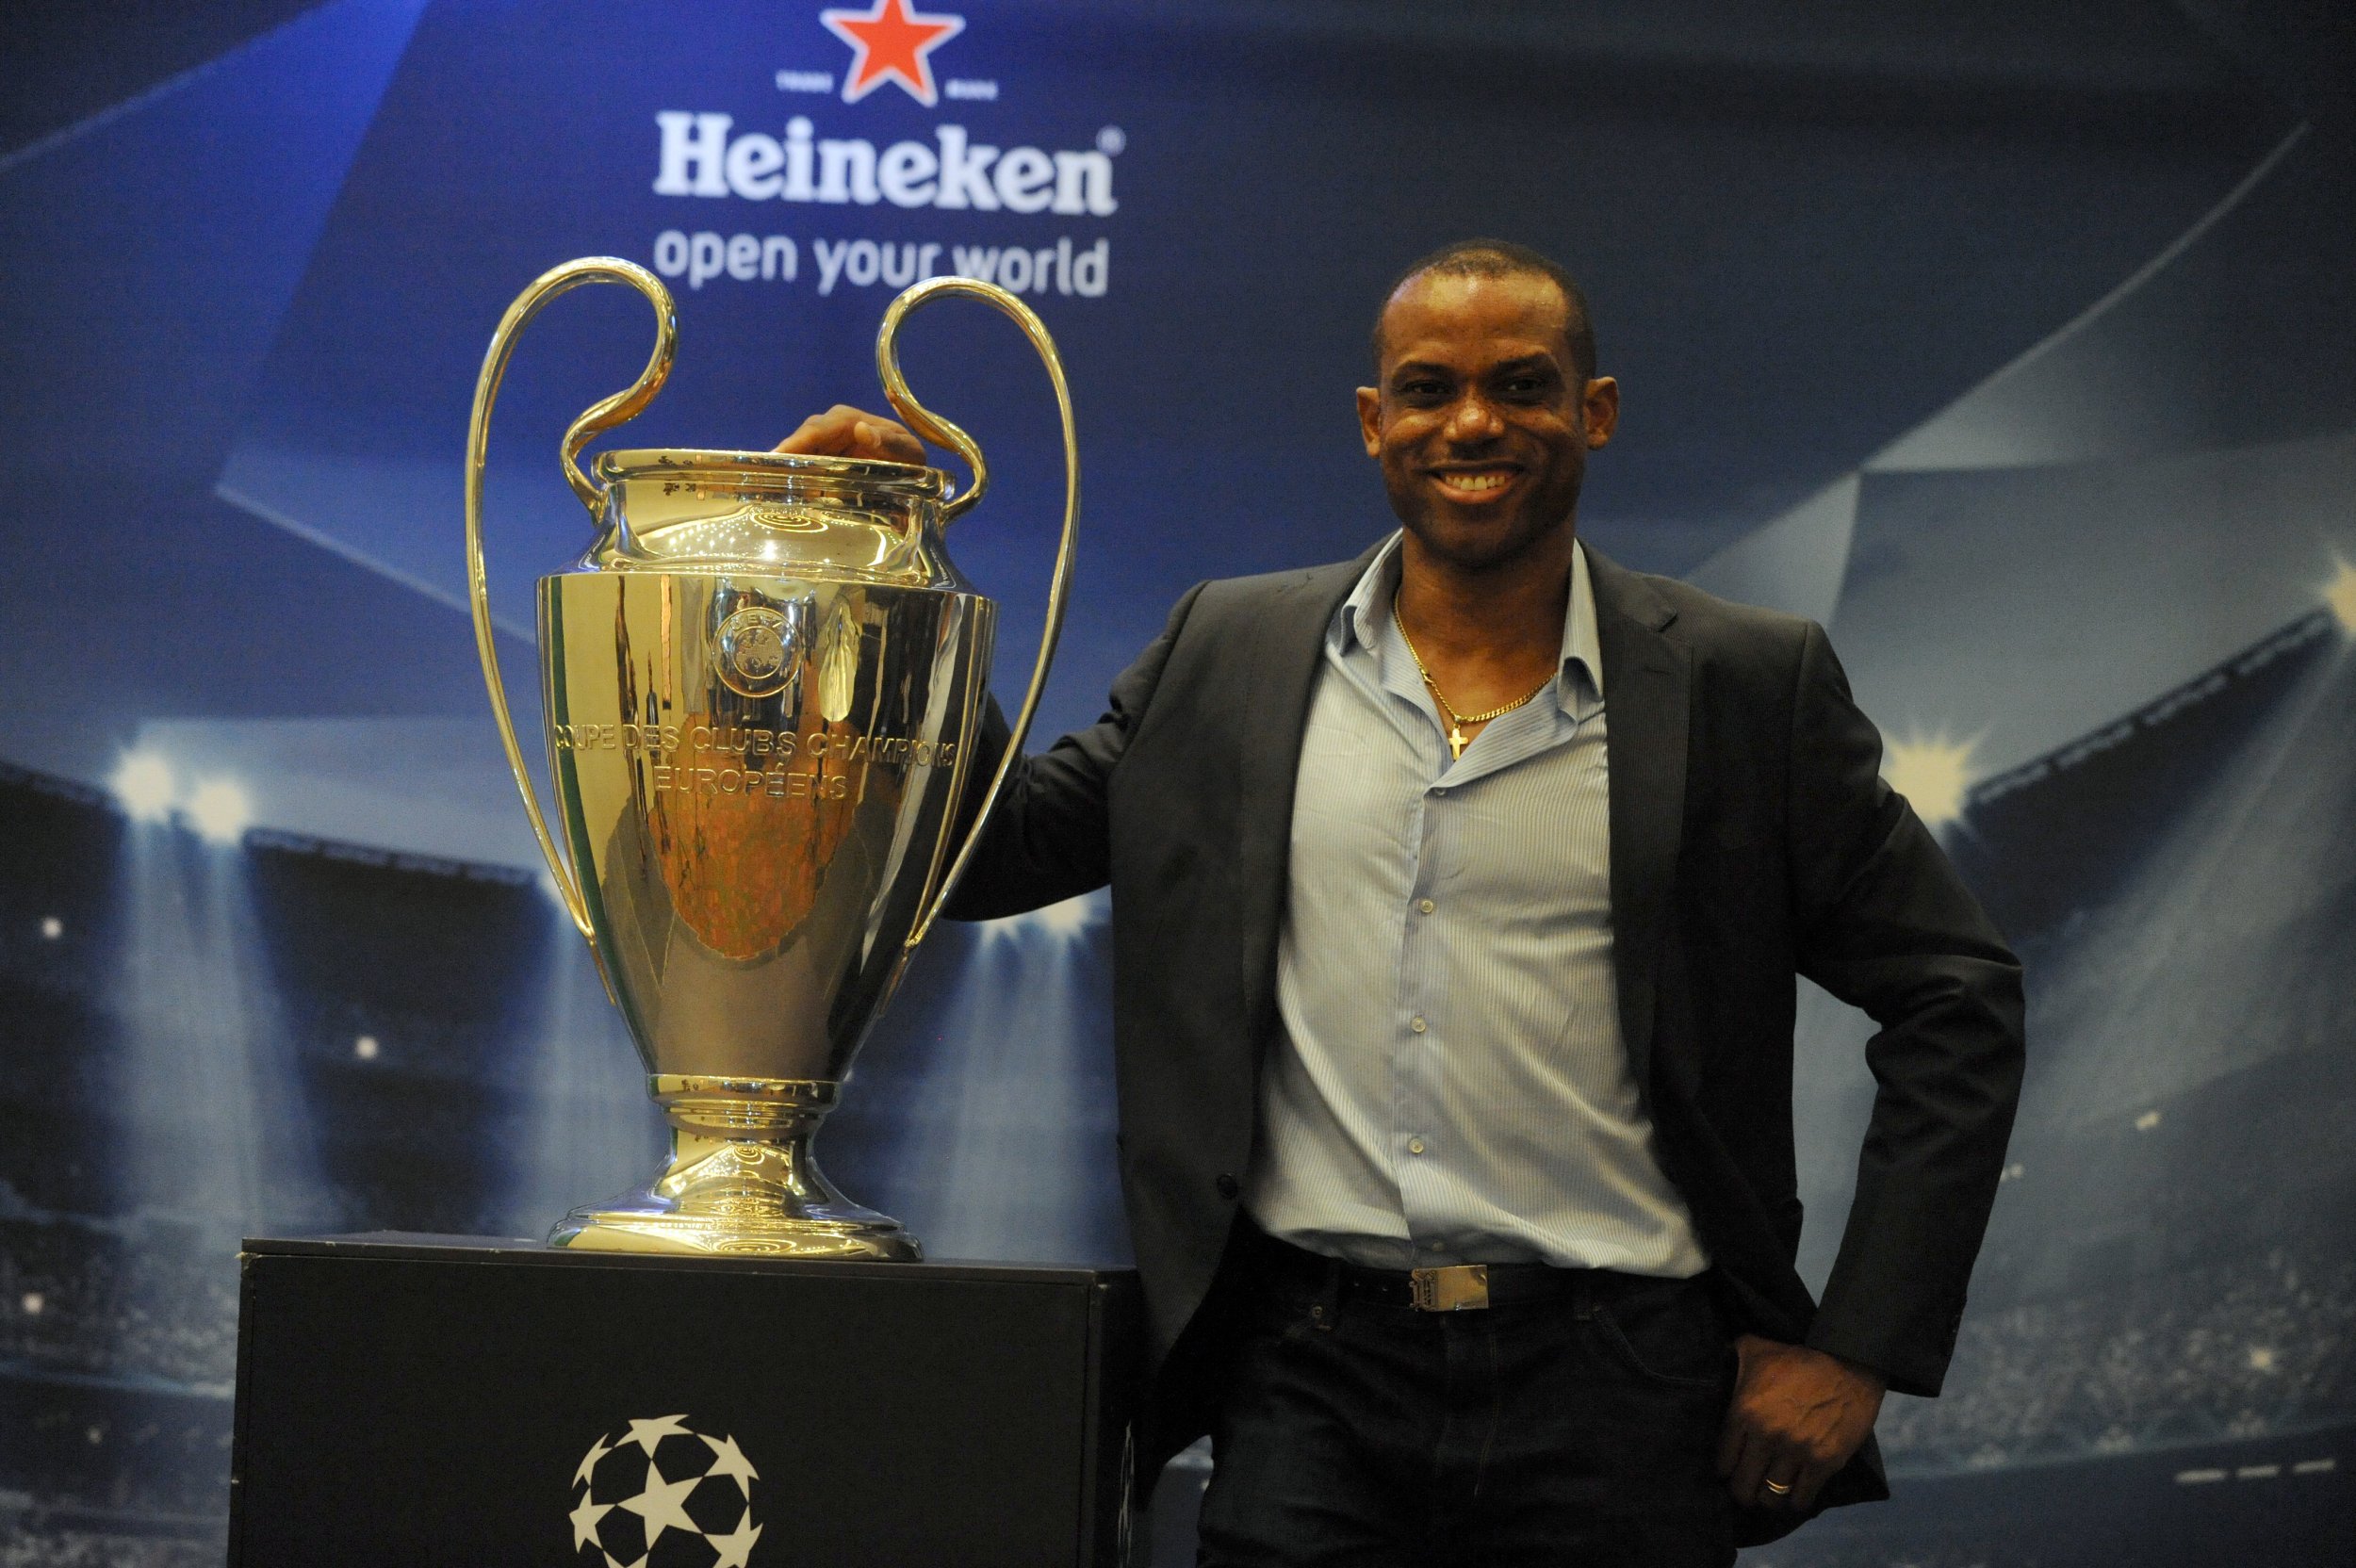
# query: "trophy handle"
942,433
601,416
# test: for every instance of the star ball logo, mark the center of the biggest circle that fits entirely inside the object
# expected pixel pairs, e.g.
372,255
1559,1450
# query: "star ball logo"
656,1495
892,43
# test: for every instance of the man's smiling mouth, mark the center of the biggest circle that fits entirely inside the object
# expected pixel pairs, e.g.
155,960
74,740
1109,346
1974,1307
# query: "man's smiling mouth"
1474,482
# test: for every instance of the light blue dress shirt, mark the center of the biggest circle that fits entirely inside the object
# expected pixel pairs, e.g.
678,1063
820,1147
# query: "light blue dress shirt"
1451,1086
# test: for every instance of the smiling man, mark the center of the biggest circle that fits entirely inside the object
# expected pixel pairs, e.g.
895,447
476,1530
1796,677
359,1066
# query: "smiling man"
1458,894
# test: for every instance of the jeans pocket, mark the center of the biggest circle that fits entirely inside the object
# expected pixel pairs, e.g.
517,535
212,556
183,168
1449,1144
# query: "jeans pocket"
1670,1337
1278,1319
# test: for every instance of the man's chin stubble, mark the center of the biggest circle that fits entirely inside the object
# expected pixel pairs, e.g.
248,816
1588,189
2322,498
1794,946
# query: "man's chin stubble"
1484,547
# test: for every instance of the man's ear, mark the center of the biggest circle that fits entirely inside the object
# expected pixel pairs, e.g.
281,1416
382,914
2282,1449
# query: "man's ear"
1370,420
1601,405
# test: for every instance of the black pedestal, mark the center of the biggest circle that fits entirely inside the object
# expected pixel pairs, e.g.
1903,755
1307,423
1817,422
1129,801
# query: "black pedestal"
408,1400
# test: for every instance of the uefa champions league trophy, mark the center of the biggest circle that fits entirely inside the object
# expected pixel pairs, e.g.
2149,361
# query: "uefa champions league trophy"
763,687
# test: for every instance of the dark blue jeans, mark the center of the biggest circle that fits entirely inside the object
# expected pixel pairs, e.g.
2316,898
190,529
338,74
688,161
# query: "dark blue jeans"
1578,1431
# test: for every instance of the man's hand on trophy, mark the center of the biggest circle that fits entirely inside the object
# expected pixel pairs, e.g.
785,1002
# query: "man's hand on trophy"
847,432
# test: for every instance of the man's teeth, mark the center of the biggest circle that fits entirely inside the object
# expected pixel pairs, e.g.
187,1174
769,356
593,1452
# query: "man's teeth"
1474,482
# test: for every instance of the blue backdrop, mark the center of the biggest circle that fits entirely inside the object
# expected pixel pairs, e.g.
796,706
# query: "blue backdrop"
2011,341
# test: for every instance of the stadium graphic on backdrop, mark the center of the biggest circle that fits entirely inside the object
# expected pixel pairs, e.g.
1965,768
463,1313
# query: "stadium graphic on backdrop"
2062,453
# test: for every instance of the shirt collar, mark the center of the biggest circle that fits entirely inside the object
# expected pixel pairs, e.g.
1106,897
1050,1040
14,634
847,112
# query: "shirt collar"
1356,622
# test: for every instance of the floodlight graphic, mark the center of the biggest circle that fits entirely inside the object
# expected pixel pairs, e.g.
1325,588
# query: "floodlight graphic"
1058,924
144,785
2340,593
219,811
1933,773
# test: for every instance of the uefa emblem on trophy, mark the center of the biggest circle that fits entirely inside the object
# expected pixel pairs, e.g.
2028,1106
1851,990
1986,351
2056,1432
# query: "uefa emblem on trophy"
764,685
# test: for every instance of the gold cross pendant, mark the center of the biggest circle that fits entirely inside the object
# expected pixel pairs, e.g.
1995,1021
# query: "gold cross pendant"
1456,742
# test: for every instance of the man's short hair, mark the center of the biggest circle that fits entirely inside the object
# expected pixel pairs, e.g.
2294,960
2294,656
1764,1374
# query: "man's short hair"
1499,258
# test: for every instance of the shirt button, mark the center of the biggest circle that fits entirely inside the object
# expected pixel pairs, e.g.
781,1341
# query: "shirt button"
1425,906
1417,1025
1227,1187
1414,1146
1440,790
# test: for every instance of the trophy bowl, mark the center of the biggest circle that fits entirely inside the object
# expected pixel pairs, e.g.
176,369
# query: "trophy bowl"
763,687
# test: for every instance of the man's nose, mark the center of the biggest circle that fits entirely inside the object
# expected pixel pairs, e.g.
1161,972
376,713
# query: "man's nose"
1474,419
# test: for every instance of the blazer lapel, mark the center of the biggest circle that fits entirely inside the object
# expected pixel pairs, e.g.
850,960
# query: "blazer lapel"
1285,650
1646,696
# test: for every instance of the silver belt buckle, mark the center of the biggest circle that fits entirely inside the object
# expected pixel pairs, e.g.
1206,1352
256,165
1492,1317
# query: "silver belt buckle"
1459,1287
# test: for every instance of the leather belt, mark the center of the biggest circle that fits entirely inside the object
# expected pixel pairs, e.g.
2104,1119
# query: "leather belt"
1458,1287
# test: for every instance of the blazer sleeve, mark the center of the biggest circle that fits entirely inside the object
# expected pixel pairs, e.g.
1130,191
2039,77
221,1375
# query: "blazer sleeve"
1050,836
1884,923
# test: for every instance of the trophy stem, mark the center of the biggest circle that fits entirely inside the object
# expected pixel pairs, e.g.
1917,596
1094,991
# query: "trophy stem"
742,1179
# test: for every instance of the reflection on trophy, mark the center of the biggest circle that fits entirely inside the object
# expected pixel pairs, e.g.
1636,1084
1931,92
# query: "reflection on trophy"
764,685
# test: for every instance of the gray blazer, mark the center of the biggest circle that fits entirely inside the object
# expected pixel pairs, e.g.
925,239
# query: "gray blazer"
1752,840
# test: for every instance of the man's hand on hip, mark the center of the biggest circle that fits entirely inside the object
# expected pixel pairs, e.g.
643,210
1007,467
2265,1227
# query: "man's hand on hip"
1797,1416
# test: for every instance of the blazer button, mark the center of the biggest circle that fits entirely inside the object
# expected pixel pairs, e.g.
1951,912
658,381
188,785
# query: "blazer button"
1227,1187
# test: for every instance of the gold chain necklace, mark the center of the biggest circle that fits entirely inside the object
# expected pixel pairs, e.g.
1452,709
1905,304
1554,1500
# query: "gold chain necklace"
1457,740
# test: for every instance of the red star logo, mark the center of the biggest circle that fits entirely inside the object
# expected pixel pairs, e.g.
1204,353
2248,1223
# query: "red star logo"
892,41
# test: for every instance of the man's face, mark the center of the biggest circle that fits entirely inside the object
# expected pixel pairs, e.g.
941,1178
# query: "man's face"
1481,423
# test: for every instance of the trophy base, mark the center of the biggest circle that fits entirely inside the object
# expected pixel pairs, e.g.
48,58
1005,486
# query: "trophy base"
725,1192
637,1223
